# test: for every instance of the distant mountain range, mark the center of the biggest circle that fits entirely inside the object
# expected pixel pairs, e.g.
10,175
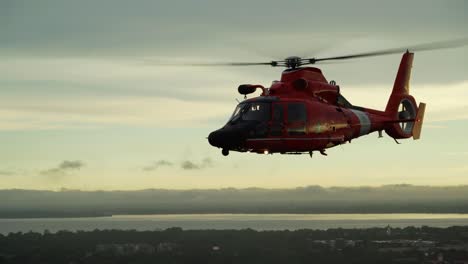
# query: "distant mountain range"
16,203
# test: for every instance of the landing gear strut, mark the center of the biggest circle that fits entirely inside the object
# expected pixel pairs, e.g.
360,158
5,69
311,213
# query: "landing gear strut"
225,152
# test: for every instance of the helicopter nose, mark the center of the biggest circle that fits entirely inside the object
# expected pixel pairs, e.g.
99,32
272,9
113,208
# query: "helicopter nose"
214,138
224,138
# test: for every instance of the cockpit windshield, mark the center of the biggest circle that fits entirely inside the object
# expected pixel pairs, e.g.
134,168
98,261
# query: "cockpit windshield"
251,112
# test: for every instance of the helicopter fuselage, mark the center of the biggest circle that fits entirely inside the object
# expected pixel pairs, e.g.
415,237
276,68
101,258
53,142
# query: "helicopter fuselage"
303,112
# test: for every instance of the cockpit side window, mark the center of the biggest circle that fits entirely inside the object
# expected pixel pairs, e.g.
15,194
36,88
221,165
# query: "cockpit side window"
256,112
251,112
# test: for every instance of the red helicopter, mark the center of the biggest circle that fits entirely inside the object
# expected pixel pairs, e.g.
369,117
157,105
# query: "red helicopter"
303,112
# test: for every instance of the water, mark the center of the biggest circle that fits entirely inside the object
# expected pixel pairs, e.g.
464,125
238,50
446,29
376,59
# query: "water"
232,221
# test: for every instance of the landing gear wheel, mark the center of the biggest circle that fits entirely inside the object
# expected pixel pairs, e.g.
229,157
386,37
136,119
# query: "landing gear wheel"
225,152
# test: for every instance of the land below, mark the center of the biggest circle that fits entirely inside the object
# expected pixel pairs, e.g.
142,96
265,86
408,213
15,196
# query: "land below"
175,245
16,203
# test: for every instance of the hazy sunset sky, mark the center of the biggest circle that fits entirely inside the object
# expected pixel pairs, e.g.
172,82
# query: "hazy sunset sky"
82,106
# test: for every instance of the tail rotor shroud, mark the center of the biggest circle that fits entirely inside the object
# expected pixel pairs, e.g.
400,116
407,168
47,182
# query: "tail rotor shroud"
407,112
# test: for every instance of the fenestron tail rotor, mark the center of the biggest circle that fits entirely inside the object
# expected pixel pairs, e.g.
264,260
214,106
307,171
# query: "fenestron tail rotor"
406,111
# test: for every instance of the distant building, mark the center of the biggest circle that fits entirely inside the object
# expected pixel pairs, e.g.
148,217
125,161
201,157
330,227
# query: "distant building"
125,249
165,247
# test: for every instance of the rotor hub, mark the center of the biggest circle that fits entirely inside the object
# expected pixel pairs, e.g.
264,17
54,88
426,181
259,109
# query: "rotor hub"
293,62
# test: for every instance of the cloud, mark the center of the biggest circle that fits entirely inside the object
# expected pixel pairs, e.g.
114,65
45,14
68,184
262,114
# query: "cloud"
161,27
55,173
221,30
190,165
63,168
456,153
87,111
185,165
157,164
69,164
207,162
6,173
443,101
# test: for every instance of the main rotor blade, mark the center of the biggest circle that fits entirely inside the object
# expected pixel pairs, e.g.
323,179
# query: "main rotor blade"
212,64
421,47
292,62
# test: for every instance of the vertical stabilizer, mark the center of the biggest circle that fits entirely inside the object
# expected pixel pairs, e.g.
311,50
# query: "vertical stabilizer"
401,105
401,85
404,74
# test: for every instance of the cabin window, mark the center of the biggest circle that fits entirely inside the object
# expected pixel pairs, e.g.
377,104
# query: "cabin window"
297,118
297,112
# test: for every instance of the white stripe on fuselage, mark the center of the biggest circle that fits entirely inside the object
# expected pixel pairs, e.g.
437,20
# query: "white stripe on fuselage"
364,121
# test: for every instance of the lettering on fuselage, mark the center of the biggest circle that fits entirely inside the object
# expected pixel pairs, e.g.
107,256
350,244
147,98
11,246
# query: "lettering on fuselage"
364,121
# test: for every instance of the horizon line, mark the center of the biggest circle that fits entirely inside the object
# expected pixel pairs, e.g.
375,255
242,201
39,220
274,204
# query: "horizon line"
401,185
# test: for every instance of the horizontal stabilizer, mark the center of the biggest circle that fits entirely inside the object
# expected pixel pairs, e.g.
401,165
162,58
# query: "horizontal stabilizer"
400,121
419,121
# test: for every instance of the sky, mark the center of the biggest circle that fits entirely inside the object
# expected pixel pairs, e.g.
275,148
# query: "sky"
84,105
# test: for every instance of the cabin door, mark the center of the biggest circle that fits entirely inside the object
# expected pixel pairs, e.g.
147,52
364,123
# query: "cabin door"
277,127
